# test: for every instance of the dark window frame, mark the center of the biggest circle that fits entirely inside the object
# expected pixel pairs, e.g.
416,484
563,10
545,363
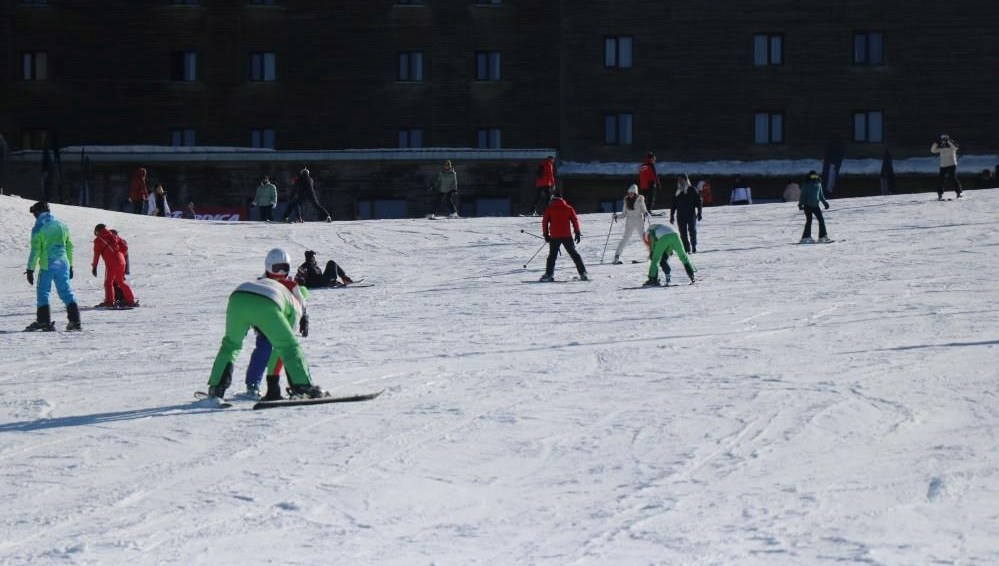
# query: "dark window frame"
864,134
771,139
488,66
411,66
614,61
864,52
614,128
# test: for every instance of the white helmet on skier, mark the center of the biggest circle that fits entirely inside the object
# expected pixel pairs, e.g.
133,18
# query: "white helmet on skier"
277,261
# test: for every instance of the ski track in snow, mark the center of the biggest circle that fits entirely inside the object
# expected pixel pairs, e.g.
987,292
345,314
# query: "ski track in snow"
798,405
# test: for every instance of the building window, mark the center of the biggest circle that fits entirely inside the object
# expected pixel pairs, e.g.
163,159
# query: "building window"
259,138
34,139
490,138
263,67
487,65
34,66
411,66
869,48
617,129
768,49
869,126
184,66
769,128
617,52
182,138
412,137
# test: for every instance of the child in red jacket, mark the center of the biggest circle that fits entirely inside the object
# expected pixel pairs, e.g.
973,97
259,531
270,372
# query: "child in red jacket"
112,249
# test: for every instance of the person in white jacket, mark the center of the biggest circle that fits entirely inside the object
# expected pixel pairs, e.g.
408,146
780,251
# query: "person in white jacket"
634,219
158,202
947,148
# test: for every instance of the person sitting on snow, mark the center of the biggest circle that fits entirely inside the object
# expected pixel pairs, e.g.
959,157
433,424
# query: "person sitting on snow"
311,276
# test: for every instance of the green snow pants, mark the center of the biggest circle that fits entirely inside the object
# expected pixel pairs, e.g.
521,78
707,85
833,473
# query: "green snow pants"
661,250
247,310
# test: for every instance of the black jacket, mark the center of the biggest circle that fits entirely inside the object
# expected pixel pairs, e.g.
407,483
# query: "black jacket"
687,204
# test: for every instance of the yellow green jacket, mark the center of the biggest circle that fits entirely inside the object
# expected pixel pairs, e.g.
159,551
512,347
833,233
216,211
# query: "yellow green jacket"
50,242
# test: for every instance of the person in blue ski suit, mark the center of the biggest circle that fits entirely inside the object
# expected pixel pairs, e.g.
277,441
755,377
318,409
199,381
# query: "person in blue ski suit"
52,253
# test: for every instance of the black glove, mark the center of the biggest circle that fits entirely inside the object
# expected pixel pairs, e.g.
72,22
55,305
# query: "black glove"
548,238
303,325
71,272
672,220
826,205
93,270
615,218
579,236
31,277
801,207
698,217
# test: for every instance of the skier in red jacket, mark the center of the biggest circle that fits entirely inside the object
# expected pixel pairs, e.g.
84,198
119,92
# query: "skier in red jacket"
109,246
558,225
648,180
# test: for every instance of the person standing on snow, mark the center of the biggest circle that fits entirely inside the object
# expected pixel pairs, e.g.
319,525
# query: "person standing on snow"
305,191
138,191
446,184
109,246
663,241
648,180
634,214
158,205
544,182
266,199
687,207
311,276
271,306
52,251
811,196
559,218
947,148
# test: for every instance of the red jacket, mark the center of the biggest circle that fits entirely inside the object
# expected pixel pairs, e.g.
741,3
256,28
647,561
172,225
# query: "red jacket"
546,174
558,216
109,247
647,177
138,190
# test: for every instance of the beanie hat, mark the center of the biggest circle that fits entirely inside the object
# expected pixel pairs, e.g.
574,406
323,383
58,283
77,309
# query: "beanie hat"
633,189
310,255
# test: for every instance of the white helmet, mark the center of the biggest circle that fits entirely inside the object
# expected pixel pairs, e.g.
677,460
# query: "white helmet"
277,261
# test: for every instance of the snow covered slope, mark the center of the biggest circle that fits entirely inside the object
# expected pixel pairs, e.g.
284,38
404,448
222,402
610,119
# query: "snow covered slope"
799,405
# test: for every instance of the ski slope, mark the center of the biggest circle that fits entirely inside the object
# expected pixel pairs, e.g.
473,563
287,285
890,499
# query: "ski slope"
833,404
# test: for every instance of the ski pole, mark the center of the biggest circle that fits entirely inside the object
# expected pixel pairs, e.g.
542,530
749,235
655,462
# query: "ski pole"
535,254
531,234
607,241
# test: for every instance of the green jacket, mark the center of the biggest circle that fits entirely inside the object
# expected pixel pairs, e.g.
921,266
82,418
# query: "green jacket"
266,195
50,242
811,193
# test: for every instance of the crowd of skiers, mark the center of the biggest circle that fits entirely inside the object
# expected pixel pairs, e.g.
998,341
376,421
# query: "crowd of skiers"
274,304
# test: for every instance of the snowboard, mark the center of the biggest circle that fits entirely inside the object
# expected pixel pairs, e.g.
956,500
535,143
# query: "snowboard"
95,308
573,280
317,400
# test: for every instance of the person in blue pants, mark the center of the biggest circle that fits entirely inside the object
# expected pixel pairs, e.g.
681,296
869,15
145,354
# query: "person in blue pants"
52,254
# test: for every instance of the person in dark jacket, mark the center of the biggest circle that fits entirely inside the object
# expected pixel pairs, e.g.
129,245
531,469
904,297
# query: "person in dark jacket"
557,226
687,208
811,196
305,191
311,276
446,185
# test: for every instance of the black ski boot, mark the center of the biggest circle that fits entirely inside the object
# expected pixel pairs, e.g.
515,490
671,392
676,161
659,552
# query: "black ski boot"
273,389
690,272
307,391
73,313
224,383
42,321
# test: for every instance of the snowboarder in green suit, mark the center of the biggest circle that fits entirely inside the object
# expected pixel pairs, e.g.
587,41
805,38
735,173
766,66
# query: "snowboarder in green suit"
269,306
663,241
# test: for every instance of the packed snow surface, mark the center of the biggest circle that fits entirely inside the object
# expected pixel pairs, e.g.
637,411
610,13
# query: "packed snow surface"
801,404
